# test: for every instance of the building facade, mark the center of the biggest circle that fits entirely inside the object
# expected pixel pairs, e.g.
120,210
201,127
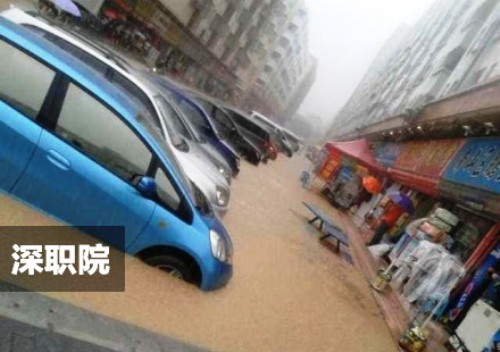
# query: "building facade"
253,53
265,43
453,48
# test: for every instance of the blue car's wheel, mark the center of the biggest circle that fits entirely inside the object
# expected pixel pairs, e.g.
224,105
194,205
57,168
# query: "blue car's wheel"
175,267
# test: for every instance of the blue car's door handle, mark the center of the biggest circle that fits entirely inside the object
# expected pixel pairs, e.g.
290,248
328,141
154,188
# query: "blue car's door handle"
58,160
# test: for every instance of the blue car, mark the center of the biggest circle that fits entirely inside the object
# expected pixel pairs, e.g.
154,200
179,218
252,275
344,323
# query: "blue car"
200,120
74,147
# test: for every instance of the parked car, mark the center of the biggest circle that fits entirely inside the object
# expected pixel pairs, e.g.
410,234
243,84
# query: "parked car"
178,123
278,137
202,172
255,130
78,149
295,141
199,123
218,123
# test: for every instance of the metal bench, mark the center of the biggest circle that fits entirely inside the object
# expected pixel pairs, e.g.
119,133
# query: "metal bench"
327,226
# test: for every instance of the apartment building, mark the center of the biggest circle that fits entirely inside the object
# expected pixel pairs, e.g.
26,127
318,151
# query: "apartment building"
452,48
253,53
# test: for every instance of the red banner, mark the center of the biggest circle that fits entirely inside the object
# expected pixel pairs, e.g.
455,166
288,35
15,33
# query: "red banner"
421,163
331,165
427,158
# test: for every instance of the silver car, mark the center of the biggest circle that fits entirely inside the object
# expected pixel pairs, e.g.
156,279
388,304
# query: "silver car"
202,173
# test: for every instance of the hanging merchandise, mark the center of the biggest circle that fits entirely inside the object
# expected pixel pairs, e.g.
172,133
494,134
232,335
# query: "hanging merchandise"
434,228
428,273
432,276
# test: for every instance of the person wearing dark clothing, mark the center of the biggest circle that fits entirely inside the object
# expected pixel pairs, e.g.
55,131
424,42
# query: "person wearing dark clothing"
491,296
363,197
391,215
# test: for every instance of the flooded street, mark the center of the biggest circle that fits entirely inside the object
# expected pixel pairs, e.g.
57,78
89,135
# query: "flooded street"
288,293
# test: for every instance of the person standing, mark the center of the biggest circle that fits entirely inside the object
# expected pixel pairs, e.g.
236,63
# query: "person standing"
391,215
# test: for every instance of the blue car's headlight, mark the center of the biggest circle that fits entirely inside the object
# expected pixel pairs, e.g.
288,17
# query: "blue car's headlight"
220,249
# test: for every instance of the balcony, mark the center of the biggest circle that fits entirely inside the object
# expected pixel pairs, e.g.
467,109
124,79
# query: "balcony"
233,24
220,6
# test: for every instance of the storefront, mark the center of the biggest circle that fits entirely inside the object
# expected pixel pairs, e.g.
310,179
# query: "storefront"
344,169
472,183
432,174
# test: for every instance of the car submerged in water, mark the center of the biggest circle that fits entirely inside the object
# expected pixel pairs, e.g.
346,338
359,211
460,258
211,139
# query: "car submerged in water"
78,149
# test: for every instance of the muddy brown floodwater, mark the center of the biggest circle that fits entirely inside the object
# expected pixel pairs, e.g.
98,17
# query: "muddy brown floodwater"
288,293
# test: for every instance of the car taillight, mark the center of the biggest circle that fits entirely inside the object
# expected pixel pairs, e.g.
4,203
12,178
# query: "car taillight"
268,145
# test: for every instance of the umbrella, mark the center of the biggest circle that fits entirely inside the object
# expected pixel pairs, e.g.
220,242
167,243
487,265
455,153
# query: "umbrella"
371,184
67,6
403,201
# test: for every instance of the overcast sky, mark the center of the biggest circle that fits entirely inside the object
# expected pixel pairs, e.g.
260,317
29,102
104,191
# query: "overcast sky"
345,36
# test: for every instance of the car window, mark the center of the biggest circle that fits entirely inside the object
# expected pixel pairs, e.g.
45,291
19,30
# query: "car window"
115,77
175,126
193,114
223,120
136,94
19,71
75,51
166,191
188,113
101,134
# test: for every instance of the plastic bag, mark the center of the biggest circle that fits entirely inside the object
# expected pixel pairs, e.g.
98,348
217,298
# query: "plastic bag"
379,250
434,272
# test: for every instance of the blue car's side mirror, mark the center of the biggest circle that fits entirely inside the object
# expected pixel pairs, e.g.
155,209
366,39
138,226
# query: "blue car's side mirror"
146,186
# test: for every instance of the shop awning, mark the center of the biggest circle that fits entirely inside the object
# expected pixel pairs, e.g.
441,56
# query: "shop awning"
424,184
357,150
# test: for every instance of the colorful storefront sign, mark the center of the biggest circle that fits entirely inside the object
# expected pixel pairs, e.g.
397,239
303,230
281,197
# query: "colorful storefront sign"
477,165
473,176
420,164
427,158
330,166
386,153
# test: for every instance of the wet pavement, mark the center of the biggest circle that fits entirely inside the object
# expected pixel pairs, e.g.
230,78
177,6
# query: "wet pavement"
32,322
288,293
21,337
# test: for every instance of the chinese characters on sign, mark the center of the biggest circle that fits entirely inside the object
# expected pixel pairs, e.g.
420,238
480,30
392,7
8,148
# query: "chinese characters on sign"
477,164
59,259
